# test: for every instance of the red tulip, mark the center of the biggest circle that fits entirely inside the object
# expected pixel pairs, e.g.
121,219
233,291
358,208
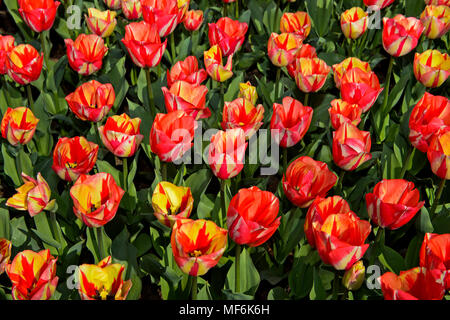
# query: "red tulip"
354,22
6,45
435,254
241,113
438,2
86,53
193,20
18,125
283,48
341,112
186,70
311,74
401,35
5,253
439,153
297,23
380,4
346,65
228,34
38,15
165,14
306,51
24,64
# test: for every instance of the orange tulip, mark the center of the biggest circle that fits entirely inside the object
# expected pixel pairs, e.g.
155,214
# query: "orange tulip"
38,15
241,113
5,253
341,112
132,9
342,68
18,125
435,254
6,45
24,64
306,51
439,153
436,20
297,23
186,70
432,68
86,53
102,23
401,35
228,34
311,74
193,20
354,22
214,67
282,48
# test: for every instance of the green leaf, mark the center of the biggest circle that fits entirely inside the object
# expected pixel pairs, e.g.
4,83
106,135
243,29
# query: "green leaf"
301,278
317,292
320,12
291,231
248,273
9,167
392,260
277,293
91,243
198,182
5,226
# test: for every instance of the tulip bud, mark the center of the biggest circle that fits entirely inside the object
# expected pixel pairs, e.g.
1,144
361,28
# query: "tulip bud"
24,64
38,15
241,113
432,68
18,125
282,48
193,20
86,53
132,9
6,45
297,23
214,67
436,20
228,34
247,91
354,277
354,22
401,35
102,23
5,253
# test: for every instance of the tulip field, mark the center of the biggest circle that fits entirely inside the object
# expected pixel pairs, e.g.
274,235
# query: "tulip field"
225,150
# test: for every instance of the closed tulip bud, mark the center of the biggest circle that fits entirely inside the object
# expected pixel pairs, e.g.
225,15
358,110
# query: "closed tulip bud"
247,91
354,277
228,34
91,101
38,15
171,203
297,23
432,68
113,4
193,20
102,23
5,253
186,70
393,203
354,22
283,48
171,135
33,275
436,20
165,14
306,179
96,199
429,115
351,147
342,112
214,66
241,113
401,35
361,88
439,153
132,9
290,122
438,2
380,4
18,125
144,44
24,64
252,216
197,245
311,74
414,284
86,53
187,97
435,254
73,157
6,45
103,281
346,65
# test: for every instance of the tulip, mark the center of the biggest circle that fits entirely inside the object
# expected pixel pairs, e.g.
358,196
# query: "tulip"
24,64
429,115
197,245
354,22
171,135
247,91
171,203
342,112
103,281
5,253
393,203
132,9
18,125
187,97
113,4
290,122
186,70
360,87
33,275
306,179
436,20
306,51
252,216
282,48
193,20
438,2
354,277
401,35
102,23
228,34
121,135
342,68
73,157
165,14
144,44
414,284
86,53
432,68
183,7
439,154
311,74
380,4
435,254
38,15
297,23
241,113
96,198
6,45
226,153
351,147
214,67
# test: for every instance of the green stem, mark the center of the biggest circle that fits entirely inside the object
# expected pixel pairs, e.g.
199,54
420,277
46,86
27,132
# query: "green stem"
285,159
125,173
164,171
237,270
277,84
225,9
405,165
222,94
222,200
51,217
237,9
349,46
101,249
438,196
6,94
172,47
194,288
306,101
107,42
44,49
30,98
96,132
276,16
341,182
150,93
387,85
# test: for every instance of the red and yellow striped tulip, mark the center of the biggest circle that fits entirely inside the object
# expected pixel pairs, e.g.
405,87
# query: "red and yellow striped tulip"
103,281
354,22
86,53
380,4
435,254
121,135
247,91
311,74
439,153
283,48
73,157
18,125
306,179
438,2
38,15
228,34
351,147
165,14
306,51
346,65
432,68
227,152
91,101
241,113
354,277
197,245
5,253
193,20
401,35
342,111
214,66
171,203
144,44
113,4
436,20
6,45
33,275
290,122
172,134
24,64
186,70
102,23
297,23
132,9
96,198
